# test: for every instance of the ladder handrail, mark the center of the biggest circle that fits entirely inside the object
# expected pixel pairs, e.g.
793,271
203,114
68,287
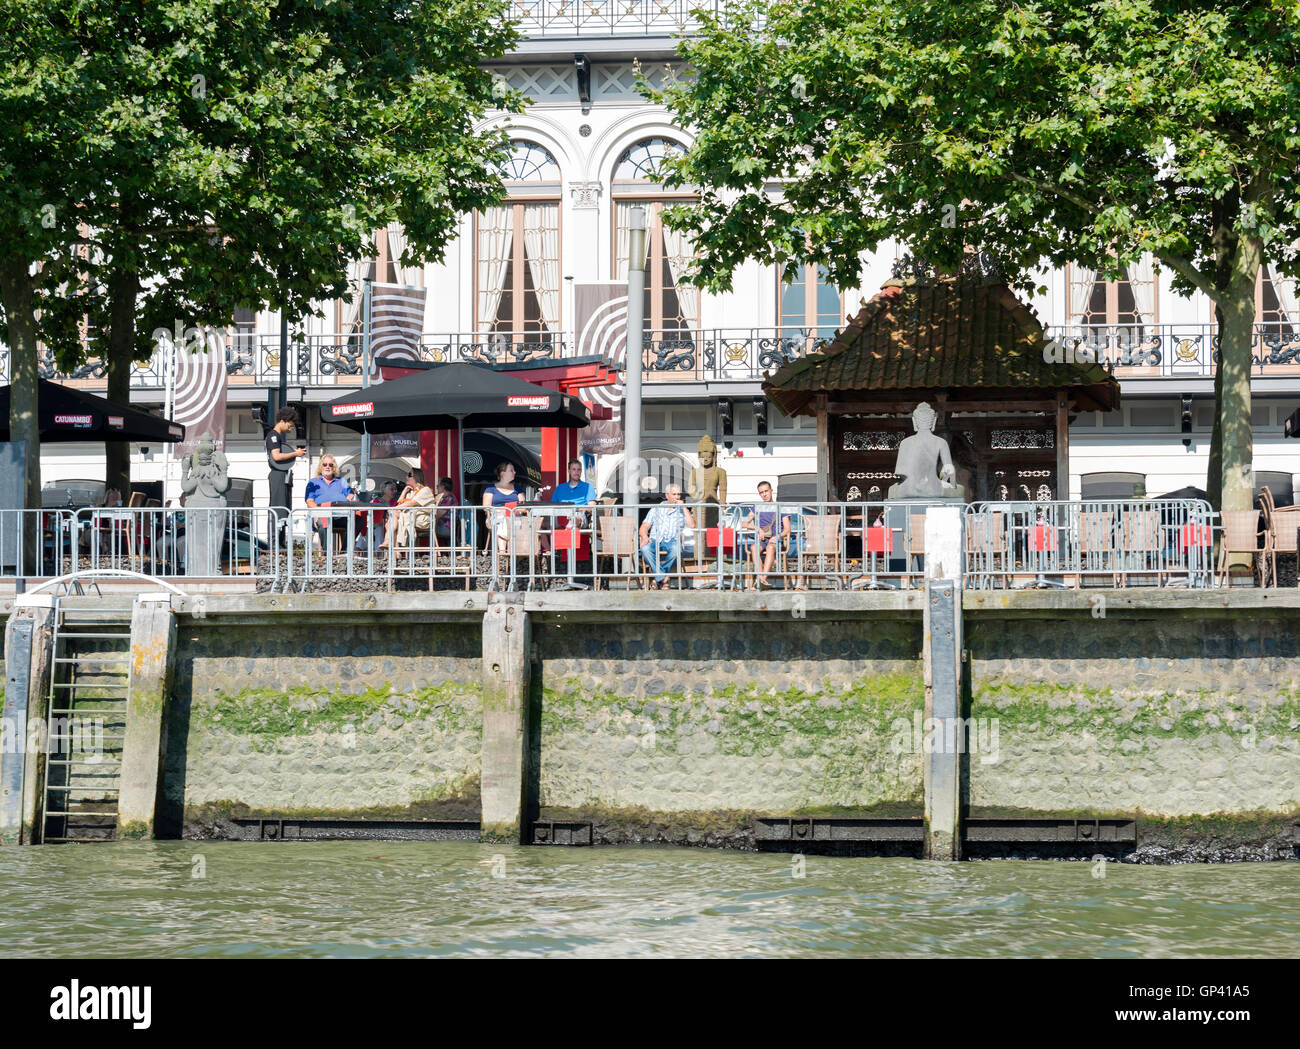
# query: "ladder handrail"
110,573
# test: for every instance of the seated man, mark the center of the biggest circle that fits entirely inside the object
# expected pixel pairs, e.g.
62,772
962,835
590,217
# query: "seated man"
661,535
577,493
760,524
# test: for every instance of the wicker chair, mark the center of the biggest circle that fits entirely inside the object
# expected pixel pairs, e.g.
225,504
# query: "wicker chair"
915,541
986,545
618,537
1139,539
1280,526
821,547
1096,544
1241,535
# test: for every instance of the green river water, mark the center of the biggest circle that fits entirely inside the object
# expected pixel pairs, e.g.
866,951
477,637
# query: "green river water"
443,899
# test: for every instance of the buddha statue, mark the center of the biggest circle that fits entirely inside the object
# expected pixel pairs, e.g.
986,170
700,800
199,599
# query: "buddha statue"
708,481
917,456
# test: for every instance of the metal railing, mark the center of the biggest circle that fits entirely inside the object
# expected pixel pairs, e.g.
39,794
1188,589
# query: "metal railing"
543,546
1142,542
1171,351
875,545
1175,350
564,18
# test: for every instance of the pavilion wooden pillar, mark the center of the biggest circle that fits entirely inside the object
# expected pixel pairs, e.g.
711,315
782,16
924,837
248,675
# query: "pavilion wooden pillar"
823,451
1062,446
438,459
558,447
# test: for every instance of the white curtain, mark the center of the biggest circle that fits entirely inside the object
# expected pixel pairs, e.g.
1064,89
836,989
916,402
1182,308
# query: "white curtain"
1285,291
357,271
495,233
679,253
542,247
1142,280
408,275
1081,283
623,221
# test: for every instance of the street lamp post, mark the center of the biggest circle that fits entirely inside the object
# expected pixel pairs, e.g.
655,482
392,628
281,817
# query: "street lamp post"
636,243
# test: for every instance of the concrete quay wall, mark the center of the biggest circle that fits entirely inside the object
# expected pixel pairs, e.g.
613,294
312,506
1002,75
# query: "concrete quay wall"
679,719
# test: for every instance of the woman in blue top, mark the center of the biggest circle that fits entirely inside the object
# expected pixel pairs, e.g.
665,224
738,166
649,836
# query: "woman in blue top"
498,496
328,489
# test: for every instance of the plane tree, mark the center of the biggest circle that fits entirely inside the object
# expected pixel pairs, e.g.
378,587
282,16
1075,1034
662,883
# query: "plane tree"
1043,133
169,162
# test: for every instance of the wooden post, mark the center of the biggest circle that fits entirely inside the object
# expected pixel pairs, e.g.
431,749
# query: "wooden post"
823,451
153,649
505,774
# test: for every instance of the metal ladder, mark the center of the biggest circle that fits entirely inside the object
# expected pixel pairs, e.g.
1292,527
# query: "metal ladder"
85,727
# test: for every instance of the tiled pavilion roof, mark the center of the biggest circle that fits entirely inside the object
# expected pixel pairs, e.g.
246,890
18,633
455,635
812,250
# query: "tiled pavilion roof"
965,336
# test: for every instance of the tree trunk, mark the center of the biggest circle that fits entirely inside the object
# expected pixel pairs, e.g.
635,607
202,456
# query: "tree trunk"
1237,467
1214,470
17,292
124,291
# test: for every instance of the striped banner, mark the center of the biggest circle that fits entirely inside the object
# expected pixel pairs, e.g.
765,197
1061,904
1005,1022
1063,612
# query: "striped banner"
601,314
396,324
200,398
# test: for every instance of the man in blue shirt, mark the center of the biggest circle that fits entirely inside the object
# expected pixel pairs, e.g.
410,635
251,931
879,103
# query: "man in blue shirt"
328,489
576,492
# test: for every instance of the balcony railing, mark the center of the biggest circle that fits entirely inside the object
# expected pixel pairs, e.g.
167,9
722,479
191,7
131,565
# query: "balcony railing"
1167,351
1176,350
569,18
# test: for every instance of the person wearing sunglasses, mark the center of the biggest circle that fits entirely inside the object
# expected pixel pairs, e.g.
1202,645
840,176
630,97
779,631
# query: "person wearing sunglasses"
329,489
410,512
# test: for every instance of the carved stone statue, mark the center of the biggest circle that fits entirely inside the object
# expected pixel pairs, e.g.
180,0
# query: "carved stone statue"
917,456
205,482
708,481
204,477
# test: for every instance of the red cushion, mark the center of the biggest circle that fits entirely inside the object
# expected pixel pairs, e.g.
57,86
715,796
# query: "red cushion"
728,538
1044,538
879,540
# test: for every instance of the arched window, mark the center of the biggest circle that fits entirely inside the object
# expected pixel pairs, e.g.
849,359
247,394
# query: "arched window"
517,252
672,308
1113,485
643,161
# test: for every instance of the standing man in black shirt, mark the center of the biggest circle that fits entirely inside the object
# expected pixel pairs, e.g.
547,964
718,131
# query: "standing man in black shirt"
280,458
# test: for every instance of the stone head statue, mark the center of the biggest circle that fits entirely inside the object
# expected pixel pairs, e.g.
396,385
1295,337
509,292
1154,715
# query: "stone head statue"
923,418
707,450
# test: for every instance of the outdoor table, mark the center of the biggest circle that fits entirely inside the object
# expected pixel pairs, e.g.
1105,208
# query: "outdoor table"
723,541
567,536
877,540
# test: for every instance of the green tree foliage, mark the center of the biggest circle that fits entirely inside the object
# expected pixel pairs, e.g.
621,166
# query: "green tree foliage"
1047,132
167,161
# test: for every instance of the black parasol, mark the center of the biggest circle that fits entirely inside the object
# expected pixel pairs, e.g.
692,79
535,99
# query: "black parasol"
69,415
451,396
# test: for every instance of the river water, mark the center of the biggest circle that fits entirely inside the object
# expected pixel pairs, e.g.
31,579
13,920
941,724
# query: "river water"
440,899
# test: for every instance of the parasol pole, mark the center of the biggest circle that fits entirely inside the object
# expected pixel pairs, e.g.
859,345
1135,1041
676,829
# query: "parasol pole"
365,377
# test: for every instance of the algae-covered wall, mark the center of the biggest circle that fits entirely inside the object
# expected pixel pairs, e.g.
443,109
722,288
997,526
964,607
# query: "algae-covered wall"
1172,716
352,719
773,717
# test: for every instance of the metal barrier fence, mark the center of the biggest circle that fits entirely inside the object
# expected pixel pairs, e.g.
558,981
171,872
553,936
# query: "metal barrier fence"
1145,542
537,546
541,546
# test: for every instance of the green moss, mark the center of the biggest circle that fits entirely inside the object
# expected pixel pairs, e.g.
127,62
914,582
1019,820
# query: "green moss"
304,710
458,801
1056,707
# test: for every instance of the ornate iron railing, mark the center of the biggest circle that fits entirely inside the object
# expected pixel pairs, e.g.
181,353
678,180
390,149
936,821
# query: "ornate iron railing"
566,18
1172,351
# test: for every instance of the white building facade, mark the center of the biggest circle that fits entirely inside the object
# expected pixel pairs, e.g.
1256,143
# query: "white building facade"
586,152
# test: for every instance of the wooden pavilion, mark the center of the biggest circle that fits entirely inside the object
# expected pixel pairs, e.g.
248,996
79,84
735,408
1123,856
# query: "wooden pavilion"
978,355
